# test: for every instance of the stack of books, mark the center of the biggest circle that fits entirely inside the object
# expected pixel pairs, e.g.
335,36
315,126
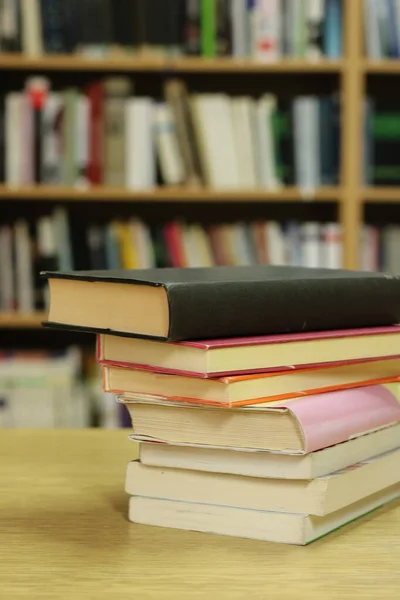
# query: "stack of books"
283,433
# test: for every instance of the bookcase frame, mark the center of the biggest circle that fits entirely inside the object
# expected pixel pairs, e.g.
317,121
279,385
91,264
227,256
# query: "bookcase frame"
350,196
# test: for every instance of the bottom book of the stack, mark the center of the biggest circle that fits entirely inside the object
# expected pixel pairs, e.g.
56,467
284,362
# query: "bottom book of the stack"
288,506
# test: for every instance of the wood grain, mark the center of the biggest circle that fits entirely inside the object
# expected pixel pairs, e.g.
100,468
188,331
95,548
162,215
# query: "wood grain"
142,63
64,534
52,194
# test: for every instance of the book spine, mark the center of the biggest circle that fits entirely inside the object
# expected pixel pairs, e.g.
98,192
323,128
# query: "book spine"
52,15
333,29
208,28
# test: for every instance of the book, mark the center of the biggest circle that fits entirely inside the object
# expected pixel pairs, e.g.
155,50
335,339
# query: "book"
211,358
288,528
259,463
319,496
243,390
300,425
197,303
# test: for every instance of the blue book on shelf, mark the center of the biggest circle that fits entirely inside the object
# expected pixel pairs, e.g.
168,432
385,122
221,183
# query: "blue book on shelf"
393,42
333,29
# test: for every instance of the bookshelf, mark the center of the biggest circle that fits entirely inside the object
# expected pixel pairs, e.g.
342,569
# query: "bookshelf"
21,321
351,73
183,65
168,194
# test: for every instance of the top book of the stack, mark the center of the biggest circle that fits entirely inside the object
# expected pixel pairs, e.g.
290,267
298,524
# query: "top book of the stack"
221,302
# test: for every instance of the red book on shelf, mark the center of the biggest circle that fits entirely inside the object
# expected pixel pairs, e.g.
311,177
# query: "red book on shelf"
95,93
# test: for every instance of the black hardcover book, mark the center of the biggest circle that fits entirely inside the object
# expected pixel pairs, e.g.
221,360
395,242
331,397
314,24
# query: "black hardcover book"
221,302
95,24
71,17
123,17
53,26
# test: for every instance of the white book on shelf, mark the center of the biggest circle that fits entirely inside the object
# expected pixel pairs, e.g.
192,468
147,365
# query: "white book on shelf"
369,248
244,120
140,156
267,30
13,139
315,10
32,35
266,156
373,41
166,140
23,267
214,129
240,43
7,282
332,246
307,143
27,132
311,246
275,243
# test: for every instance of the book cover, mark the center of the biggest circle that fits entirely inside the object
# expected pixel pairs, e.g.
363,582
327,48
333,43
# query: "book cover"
206,302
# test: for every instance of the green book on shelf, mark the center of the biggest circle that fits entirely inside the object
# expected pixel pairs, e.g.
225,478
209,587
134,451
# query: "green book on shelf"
208,28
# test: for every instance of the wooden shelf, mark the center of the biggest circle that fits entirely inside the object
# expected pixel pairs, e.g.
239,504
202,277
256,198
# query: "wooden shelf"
381,67
381,195
21,321
123,63
166,194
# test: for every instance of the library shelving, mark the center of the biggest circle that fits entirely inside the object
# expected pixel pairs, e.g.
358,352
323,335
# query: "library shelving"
351,73
165,194
21,321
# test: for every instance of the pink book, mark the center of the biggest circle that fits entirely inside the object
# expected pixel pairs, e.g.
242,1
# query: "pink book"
240,356
324,419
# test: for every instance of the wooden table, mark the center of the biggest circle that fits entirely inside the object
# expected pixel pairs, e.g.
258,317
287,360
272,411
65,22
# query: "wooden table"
64,534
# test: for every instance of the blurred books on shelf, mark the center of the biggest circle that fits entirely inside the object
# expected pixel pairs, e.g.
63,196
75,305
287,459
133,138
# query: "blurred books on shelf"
382,28
63,386
53,243
264,31
102,134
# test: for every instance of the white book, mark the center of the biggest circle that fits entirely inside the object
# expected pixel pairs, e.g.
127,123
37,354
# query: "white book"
239,28
307,143
319,496
166,140
213,121
314,17
32,37
244,120
82,140
13,139
372,33
282,527
266,156
51,147
311,246
23,268
332,246
267,30
7,285
253,463
140,158
275,243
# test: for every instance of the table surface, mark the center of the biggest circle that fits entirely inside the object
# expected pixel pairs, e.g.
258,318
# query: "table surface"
64,534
